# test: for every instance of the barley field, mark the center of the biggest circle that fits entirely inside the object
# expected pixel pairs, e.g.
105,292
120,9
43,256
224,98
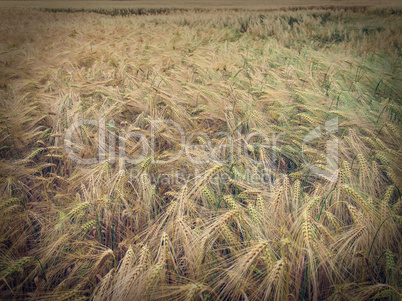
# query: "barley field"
228,151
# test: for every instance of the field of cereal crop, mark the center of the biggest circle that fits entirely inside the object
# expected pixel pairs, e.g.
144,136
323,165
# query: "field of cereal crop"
200,151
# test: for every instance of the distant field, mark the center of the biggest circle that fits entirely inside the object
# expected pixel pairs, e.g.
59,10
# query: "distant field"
255,4
222,150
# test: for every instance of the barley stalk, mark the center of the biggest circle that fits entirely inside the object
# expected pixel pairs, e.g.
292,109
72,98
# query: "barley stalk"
253,214
297,188
363,165
193,289
88,225
390,262
260,203
228,234
254,252
356,215
278,198
307,229
231,202
103,258
356,196
171,208
78,209
211,199
17,265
